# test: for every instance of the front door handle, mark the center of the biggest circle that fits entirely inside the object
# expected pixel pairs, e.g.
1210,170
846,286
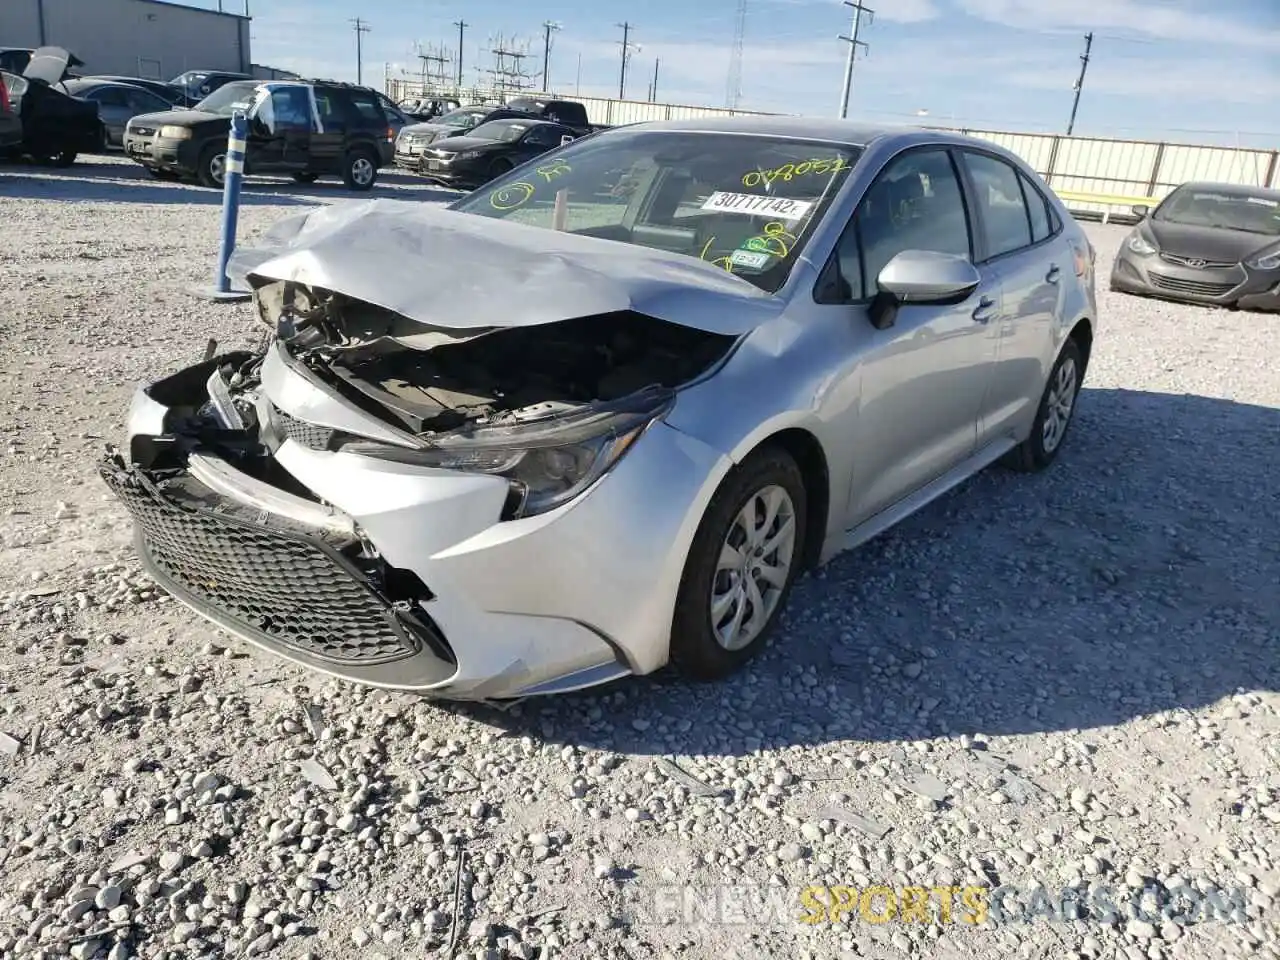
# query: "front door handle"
985,310
1053,274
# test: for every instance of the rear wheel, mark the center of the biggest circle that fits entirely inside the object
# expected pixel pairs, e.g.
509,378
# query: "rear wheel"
743,561
359,170
1057,406
211,170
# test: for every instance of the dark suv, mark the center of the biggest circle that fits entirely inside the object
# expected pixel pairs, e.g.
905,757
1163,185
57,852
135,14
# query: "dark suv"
304,128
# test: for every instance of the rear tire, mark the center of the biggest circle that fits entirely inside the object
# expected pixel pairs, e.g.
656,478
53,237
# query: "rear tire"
211,169
1054,415
744,558
360,170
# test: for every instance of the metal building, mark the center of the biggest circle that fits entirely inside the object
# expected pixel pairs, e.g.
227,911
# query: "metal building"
138,38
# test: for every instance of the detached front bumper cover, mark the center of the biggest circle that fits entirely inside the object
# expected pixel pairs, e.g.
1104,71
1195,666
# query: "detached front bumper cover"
274,583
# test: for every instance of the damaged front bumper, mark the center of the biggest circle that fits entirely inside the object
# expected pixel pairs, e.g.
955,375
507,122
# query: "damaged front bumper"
404,576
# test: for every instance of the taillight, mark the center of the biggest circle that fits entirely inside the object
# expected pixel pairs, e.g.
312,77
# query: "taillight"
391,134
4,96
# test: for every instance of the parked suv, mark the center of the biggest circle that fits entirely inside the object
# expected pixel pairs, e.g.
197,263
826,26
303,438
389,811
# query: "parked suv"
195,85
305,128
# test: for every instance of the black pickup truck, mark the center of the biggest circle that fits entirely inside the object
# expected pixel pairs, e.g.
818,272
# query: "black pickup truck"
570,113
415,138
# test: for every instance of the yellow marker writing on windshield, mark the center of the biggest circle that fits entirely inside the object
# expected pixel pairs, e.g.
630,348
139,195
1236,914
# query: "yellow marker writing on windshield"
511,196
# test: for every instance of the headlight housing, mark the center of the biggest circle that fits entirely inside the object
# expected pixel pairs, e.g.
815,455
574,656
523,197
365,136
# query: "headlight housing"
1140,245
169,132
1265,261
547,462
467,155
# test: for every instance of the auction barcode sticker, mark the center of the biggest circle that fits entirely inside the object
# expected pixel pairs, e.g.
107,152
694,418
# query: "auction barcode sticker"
751,203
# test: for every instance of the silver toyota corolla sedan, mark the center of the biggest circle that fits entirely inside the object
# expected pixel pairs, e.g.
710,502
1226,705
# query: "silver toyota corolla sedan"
597,416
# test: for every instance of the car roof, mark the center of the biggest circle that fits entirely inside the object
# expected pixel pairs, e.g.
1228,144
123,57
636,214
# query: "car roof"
1233,189
846,132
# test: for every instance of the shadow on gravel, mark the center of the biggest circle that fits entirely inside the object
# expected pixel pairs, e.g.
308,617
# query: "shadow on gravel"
108,182
1136,575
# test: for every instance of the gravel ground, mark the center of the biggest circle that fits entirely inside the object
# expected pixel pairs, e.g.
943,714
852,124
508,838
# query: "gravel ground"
1068,679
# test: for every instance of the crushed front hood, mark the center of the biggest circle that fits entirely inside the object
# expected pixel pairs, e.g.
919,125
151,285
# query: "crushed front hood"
457,271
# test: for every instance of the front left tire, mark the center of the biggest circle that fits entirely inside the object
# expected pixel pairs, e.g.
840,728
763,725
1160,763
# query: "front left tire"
743,561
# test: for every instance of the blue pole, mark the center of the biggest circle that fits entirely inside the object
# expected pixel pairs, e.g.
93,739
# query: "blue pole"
233,174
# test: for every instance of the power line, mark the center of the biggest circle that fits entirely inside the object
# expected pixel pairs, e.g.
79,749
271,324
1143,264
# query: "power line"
462,26
1084,66
361,29
548,28
627,48
733,87
854,43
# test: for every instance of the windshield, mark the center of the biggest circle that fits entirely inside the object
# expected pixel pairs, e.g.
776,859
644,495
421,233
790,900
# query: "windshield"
1249,213
460,118
505,130
748,204
190,78
229,98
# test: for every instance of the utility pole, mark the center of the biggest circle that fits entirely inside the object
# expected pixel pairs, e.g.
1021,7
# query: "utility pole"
1084,65
462,26
733,86
548,28
361,29
626,55
854,43
577,80
653,87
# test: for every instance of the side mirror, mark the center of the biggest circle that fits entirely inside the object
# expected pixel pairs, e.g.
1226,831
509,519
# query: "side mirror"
919,277
1141,210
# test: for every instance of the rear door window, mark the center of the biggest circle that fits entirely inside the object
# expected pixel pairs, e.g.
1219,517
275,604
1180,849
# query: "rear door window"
1037,209
1006,222
367,111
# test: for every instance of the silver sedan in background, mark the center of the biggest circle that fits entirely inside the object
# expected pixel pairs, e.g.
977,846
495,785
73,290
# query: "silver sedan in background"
597,416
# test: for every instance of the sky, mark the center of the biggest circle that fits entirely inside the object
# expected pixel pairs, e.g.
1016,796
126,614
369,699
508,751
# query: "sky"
1203,71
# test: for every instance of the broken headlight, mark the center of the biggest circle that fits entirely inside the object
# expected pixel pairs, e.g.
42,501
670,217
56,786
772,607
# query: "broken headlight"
547,462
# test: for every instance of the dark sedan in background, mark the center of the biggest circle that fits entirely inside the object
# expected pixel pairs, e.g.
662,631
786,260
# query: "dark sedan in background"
1208,243
490,150
118,103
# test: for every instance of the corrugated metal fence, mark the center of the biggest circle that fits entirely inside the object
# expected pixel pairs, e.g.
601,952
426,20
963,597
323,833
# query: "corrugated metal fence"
1080,164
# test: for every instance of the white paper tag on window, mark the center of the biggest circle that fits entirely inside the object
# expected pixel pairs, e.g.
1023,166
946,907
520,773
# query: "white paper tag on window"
749,258
756,205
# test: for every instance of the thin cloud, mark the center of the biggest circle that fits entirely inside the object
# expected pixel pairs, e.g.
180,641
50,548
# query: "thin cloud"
1142,19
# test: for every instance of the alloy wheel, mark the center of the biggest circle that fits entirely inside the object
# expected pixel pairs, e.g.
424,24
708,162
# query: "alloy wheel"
1059,405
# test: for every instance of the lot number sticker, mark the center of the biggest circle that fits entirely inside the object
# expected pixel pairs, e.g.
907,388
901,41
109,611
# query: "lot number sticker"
749,259
752,204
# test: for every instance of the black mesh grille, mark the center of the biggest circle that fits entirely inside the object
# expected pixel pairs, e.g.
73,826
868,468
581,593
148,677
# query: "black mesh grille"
287,588
310,435
1197,287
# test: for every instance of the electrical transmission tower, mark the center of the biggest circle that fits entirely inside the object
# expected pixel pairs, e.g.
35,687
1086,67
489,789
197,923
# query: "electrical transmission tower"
733,89
507,75
434,60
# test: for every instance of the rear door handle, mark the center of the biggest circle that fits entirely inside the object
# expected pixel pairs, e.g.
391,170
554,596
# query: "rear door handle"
1053,274
985,310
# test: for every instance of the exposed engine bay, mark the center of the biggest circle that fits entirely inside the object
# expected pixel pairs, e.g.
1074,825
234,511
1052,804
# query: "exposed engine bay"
491,377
